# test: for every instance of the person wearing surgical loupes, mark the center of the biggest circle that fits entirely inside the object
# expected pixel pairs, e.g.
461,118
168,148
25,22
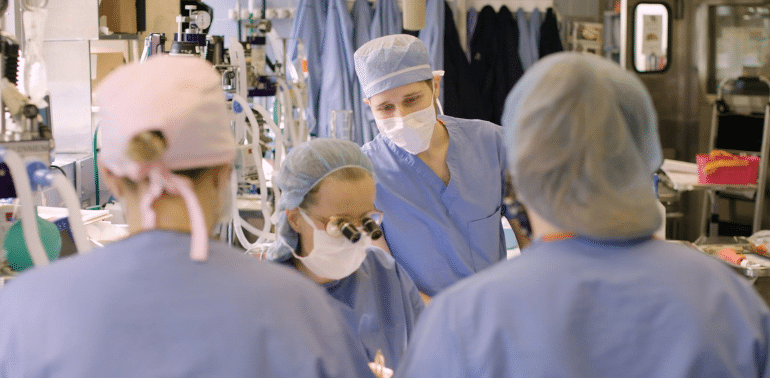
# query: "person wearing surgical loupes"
167,301
440,180
325,226
596,294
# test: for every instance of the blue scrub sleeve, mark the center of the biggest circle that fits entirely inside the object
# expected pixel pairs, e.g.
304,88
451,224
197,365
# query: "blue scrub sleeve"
434,349
414,295
503,156
8,342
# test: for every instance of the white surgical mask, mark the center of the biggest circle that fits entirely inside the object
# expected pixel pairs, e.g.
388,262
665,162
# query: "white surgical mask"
333,257
412,132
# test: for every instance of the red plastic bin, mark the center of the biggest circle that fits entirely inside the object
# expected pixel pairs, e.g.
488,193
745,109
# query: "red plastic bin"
730,169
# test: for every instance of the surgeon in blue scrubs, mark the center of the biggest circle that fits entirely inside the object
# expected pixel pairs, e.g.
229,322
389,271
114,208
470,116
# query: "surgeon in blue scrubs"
440,180
327,220
596,295
166,301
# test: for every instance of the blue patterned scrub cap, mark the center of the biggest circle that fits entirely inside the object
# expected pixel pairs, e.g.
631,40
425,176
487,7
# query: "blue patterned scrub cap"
391,61
304,167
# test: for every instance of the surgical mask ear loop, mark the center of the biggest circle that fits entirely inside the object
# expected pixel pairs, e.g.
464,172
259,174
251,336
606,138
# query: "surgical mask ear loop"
440,109
433,89
438,103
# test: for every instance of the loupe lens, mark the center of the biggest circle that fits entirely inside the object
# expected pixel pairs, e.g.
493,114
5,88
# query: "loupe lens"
371,228
350,232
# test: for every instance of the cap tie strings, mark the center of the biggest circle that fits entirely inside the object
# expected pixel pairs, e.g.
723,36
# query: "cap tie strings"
162,179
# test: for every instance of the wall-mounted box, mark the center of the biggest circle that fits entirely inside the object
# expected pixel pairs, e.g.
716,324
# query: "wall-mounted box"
121,15
102,63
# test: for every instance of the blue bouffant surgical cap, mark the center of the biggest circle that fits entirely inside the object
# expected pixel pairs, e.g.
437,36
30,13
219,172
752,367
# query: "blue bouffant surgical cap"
582,139
391,61
304,167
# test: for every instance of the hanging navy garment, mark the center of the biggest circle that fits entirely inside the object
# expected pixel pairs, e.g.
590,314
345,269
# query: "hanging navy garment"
484,59
508,69
550,42
461,97
309,25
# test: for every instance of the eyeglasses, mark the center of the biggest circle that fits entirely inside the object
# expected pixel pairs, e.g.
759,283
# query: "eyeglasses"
337,225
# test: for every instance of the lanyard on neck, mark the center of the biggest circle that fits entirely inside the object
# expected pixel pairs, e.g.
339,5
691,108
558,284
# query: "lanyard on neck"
557,236
568,235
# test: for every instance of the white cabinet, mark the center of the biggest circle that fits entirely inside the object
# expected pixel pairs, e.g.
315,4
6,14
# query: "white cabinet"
69,30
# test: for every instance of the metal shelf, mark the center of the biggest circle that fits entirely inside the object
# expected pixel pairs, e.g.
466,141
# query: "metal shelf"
118,36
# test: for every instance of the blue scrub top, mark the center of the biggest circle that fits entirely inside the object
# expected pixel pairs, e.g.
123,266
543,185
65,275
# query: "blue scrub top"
381,304
141,307
578,308
442,233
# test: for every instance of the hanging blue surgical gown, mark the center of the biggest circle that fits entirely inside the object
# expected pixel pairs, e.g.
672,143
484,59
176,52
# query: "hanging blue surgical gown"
327,29
364,120
442,233
337,86
381,304
386,20
361,15
579,308
432,35
472,17
141,307
308,25
529,37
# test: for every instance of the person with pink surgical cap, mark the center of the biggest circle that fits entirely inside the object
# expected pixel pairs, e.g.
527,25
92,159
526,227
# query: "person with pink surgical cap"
167,301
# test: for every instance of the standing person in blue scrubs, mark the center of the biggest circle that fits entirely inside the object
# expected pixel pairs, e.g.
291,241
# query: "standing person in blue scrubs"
596,295
326,226
440,181
167,301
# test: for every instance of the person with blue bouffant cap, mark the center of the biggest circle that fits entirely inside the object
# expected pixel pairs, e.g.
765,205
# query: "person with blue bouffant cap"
327,221
441,181
596,294
167,301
